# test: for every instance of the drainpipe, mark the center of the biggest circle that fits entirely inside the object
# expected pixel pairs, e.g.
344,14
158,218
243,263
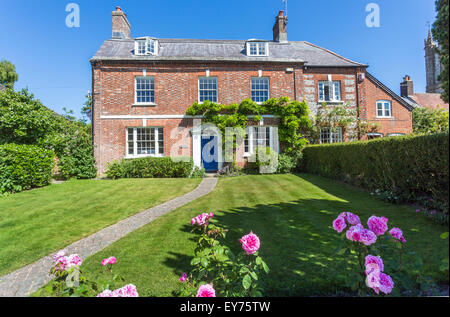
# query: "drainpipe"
357,102
295,86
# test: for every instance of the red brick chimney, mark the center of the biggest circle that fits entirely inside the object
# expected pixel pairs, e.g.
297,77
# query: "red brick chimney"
407,87
280,28
121,28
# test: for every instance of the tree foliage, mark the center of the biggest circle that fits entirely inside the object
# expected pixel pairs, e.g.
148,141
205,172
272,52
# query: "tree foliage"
430,121
24,120
440,34
8,75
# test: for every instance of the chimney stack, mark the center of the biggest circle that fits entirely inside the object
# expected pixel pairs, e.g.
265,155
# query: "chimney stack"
280,28
121,28
407,87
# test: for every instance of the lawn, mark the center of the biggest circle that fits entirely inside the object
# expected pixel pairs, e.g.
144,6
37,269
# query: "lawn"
291,214
36,223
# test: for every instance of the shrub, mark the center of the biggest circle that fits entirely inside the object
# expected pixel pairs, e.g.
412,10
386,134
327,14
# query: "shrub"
151,167
24,167
263,161
408,168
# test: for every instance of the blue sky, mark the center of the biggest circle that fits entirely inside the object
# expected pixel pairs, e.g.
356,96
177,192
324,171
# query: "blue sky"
53,60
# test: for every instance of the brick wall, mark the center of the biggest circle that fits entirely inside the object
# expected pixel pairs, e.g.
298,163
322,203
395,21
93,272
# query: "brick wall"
176,88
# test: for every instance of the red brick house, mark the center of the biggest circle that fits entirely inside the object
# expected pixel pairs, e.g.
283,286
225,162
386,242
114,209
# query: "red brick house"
143,86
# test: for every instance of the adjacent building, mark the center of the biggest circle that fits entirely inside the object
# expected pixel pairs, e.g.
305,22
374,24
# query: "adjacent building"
142,87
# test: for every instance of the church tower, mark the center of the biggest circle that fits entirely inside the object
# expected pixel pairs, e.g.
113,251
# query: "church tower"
433,65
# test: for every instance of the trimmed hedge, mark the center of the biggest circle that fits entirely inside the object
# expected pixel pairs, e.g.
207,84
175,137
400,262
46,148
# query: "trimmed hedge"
24,167
410,168
150,167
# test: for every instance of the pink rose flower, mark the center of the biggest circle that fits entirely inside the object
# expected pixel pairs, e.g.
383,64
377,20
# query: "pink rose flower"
62,263
386,283
183,278
373,263
373,281
417,210
59,255
354,233
367,237
112,260
250,243
129,291
74,260
106,293
378,225
397,233
105,262
339,224
206,291
211,215
352,219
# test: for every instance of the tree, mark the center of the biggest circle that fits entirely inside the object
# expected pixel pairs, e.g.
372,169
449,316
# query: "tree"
8,75
86,110
440,34
430,121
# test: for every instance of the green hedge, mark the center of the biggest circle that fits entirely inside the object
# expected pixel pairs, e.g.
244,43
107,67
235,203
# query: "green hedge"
24,167
410,168
150,167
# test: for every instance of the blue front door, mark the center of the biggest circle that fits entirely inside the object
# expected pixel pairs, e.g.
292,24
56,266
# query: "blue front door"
210,153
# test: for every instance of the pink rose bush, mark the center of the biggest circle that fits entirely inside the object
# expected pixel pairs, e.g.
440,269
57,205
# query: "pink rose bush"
206,291
217,270
365,239
127,291
250,243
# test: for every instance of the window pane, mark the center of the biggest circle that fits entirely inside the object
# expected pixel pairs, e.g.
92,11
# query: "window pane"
208,89
260,89
145,90
337,90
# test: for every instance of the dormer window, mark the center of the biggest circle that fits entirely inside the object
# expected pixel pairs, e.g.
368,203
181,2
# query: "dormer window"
257,48
146,46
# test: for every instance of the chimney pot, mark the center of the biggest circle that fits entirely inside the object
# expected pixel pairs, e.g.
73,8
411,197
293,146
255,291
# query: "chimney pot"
118,9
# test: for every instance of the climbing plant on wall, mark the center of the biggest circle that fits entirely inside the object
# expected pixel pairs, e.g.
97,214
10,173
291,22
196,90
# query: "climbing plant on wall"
294,118
344,117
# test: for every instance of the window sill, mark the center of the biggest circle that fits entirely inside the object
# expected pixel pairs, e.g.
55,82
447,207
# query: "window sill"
129,157
144,105
247,155
334,102
385,117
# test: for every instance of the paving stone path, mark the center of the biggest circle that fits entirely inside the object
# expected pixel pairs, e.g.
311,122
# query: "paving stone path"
29,279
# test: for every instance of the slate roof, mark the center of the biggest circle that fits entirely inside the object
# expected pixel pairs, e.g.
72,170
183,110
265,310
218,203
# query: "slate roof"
223,50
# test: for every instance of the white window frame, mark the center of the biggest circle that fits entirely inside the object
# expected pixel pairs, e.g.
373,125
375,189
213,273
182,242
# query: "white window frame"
151,103
396,134
258,48
375,135
250,133
340,135
135,148
332,88
148,41
217,87
383,102
268,88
